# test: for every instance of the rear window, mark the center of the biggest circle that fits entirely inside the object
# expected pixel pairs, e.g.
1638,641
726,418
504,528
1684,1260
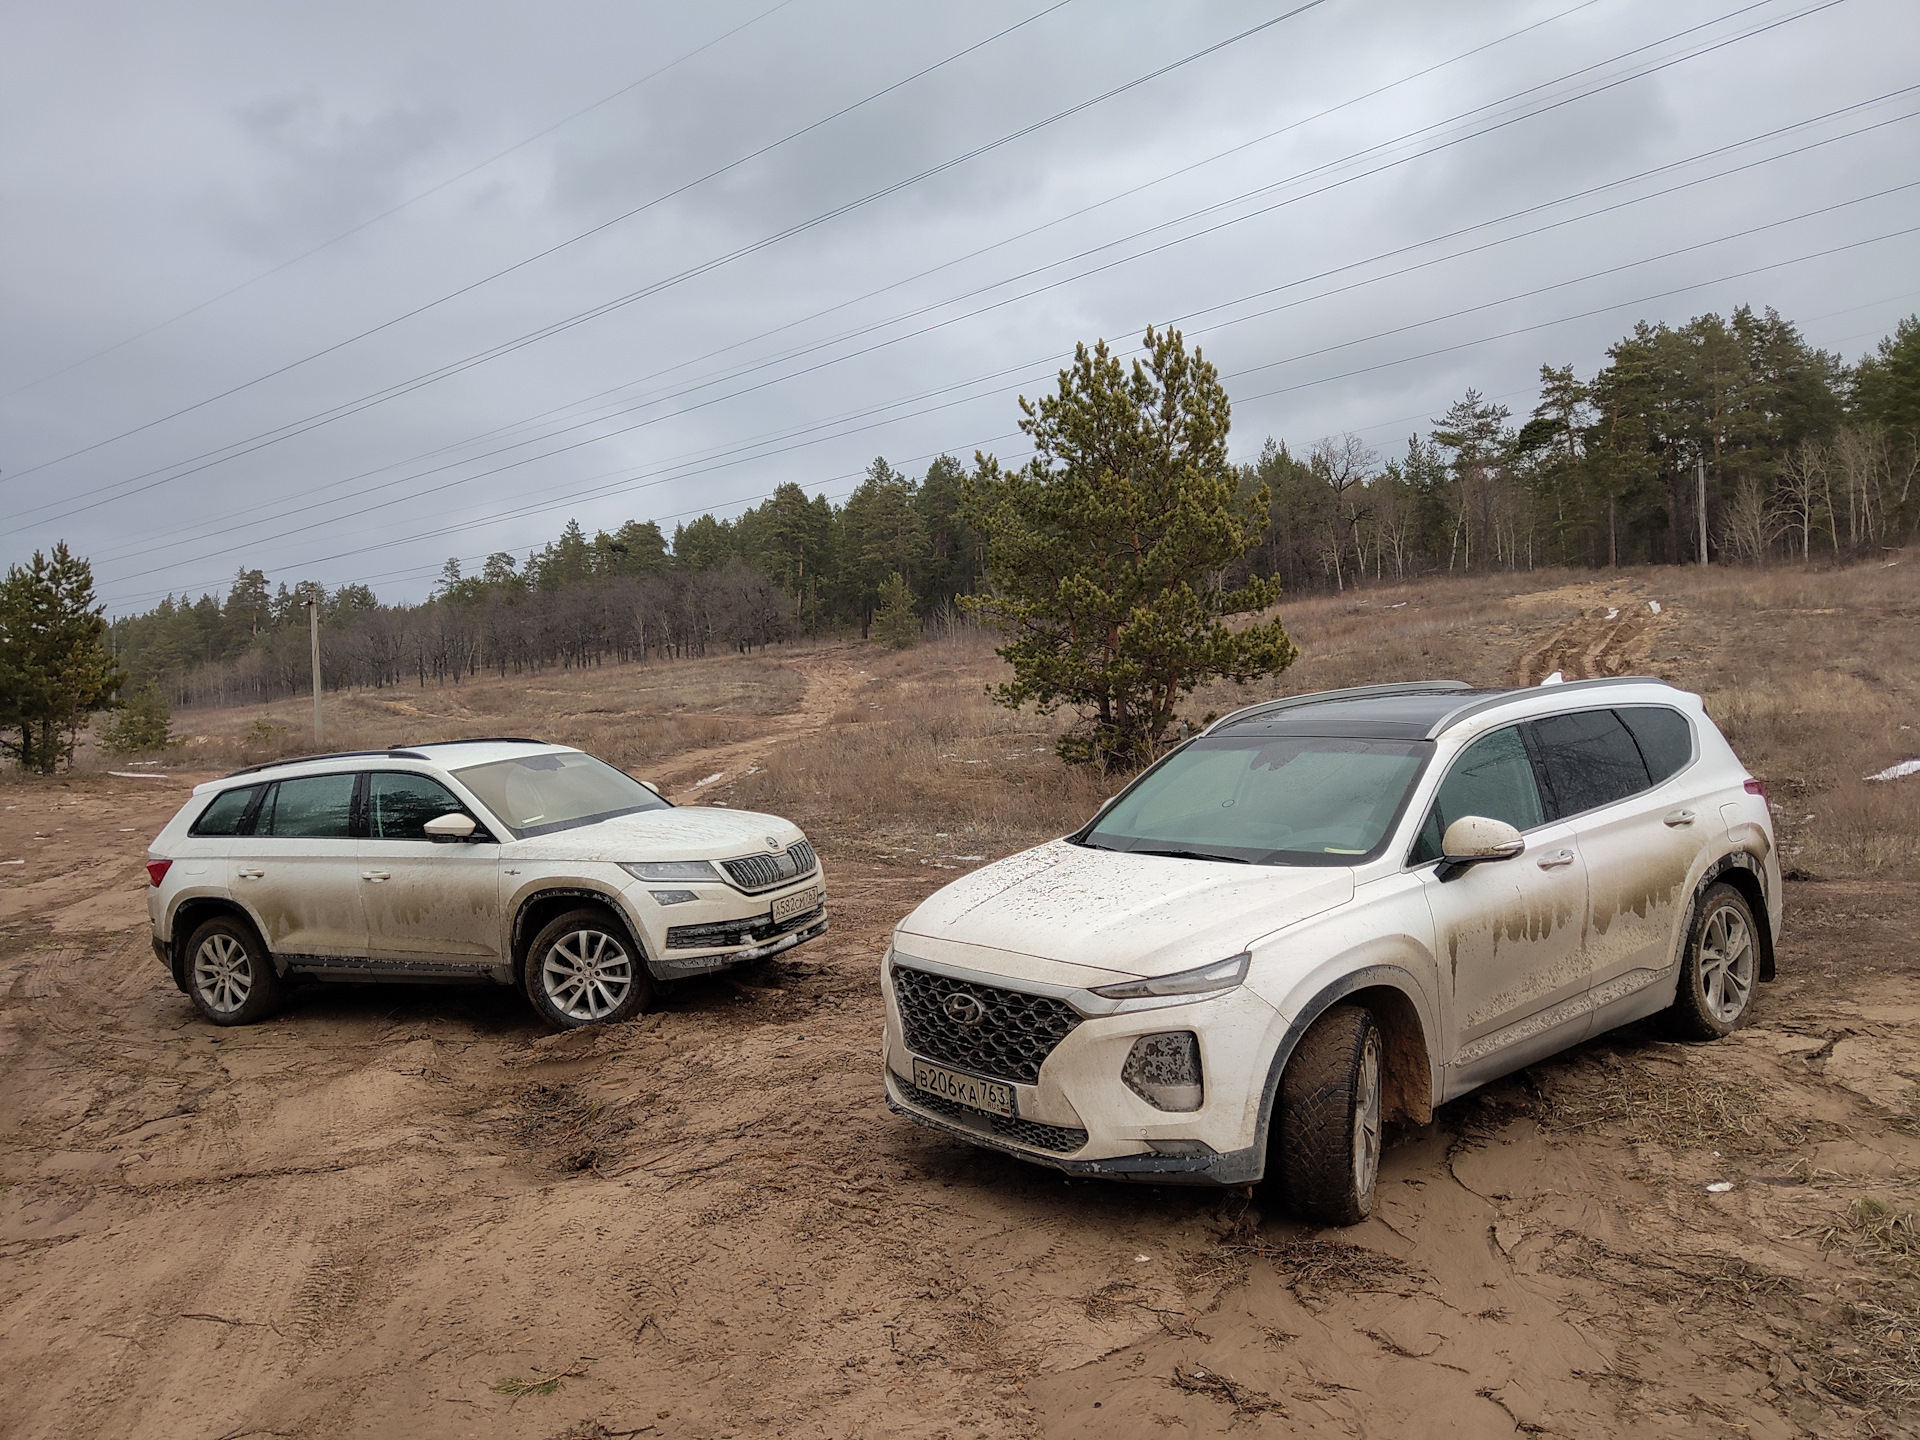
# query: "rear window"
1664,737
314,807
1590,760
224,814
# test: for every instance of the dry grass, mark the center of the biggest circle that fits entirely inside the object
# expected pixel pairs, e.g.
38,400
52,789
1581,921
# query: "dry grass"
1680,1105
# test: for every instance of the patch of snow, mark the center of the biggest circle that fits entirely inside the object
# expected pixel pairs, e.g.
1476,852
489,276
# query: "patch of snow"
1400,606
1719,1187
138,775
715,777
1556,678
1613,612
12,862
1900,771
1654,606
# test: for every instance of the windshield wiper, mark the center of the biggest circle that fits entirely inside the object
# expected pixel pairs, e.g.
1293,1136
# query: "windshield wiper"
1193,855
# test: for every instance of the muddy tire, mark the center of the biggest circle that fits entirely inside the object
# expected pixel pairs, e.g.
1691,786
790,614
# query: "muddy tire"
1719,968
583,968
1325,1151
230,975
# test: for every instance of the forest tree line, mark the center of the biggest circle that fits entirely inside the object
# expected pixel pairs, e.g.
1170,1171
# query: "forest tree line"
1806,458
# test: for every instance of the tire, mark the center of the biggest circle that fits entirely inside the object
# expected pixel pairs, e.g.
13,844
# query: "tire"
583,968
1719,968
230,975
1326,1152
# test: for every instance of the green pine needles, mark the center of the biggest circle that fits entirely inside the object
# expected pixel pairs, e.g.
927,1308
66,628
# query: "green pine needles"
1108,553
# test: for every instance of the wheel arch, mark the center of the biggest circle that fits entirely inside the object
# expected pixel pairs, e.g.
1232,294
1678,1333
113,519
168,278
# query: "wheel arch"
1742,871
193,912
543,904
1393,997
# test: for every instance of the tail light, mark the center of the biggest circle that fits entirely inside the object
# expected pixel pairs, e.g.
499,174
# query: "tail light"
157,870
1756,787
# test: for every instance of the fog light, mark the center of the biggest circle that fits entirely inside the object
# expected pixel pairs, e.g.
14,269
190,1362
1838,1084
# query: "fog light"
1164,1070
673,897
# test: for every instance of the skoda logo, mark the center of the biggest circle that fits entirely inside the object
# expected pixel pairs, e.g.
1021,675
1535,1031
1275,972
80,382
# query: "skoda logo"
963,1009
772,843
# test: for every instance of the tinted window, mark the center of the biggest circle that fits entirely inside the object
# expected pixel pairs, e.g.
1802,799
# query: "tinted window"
1493,777
1590,760
228,809
318,807
1294,801
1664,737
399,805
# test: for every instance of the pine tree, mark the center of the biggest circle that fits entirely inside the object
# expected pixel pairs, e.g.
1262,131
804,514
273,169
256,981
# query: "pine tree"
1107,552
142,725
895,624
54,667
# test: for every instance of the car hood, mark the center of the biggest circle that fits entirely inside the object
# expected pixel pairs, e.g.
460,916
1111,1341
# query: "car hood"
1138,914
684,832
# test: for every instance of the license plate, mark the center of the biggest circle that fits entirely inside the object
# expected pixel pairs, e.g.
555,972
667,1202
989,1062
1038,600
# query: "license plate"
963,1089
788,906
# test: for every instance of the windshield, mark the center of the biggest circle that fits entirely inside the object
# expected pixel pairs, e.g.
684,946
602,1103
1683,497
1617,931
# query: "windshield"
1298,800
538,794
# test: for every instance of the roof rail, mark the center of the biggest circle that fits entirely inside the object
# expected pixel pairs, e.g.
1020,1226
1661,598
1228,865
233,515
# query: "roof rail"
388,754
482,740
1320,697
1465,712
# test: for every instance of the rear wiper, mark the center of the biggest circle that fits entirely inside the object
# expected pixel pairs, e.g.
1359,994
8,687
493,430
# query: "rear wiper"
1192,855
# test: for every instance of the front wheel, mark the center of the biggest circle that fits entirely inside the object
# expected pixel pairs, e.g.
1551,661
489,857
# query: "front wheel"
582,969
230,976
1326,1146
1718,971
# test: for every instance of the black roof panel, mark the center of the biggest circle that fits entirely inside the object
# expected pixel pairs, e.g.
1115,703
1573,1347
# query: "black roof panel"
1392,715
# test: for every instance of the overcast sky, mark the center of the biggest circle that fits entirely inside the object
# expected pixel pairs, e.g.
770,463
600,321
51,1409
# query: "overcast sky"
218,219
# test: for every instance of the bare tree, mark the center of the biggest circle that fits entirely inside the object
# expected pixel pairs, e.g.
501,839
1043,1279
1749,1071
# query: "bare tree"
1346,464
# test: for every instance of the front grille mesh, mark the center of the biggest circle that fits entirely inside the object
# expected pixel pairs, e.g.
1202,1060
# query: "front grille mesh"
1056,1138
1011,1040
763,872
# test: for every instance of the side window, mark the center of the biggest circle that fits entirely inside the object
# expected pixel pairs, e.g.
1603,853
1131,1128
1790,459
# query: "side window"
1664,737
224,815
1493,777
1590,760
314,807
399,805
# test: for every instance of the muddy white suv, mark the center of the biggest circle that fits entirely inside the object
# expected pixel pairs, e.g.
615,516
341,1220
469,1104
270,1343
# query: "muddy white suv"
510,861
1332,911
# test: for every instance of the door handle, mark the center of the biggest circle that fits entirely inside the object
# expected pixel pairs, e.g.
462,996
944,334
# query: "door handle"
376,875
1556,860
1677,818
247,873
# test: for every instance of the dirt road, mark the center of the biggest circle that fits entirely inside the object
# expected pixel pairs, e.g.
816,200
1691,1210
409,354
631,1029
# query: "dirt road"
407,1212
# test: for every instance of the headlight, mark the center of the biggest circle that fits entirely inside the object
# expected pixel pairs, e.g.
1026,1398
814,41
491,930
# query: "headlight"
670,869
1221,975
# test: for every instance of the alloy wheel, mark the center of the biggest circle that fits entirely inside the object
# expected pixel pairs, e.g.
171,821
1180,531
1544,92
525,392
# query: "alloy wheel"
1366,1119
223,973
1726,964
587,974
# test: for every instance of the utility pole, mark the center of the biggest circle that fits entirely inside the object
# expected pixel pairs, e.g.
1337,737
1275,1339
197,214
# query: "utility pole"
313,632
1700,492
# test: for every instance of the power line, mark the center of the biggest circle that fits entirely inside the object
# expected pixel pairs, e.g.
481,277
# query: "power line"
393,210
704,267
266,438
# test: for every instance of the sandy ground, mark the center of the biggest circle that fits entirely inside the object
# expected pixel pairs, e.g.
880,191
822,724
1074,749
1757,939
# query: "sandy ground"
406,1212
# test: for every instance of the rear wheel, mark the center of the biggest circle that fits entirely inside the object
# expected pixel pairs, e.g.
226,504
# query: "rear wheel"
1325,1150
583,969
1720,968
230,976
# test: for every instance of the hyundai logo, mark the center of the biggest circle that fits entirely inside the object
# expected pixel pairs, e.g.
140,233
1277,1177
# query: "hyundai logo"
963,1009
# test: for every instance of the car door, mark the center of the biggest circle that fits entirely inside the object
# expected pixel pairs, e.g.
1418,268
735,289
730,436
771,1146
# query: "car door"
1513,970
1642,841
299,872
426,901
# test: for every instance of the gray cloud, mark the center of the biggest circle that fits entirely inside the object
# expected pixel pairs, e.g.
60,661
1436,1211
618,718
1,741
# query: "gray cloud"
156,160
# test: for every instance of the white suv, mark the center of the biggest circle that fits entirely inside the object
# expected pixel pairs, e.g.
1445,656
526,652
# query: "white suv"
1331,911
511,861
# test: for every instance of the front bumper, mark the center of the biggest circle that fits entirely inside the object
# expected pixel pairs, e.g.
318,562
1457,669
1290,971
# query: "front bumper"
1078,1116
672,966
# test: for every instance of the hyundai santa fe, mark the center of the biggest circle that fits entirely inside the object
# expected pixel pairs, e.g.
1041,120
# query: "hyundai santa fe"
506,861
1330,912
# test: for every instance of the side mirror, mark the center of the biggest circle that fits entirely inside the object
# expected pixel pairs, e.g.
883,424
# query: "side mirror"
653,787
1475,840
452,827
